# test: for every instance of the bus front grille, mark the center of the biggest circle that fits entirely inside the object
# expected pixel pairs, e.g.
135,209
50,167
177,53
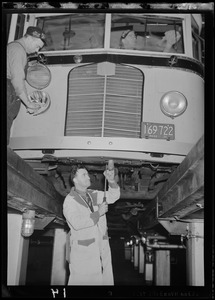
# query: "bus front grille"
104,100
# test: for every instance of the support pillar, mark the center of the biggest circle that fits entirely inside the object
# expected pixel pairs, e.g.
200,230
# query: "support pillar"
132,253
127,252
136,256
141,258
59,270
195,254
149,261
17,247
162,267
148,273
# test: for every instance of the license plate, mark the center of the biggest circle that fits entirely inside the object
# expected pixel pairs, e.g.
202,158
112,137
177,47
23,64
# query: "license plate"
158,131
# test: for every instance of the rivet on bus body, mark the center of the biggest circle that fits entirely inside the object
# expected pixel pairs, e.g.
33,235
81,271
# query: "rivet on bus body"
89,142
110,143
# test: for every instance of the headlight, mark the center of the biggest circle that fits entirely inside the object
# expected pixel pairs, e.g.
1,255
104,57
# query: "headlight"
173,104
43,99
38,76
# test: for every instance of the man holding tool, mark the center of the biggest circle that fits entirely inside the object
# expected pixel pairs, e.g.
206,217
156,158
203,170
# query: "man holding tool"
84,210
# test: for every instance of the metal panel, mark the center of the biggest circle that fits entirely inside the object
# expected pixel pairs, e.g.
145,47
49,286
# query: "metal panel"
94,143
26,189
181,194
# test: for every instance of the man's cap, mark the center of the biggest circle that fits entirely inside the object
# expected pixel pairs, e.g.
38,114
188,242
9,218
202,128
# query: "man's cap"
36,32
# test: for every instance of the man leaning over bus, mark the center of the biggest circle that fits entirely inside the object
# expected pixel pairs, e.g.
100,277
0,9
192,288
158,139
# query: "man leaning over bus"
17,52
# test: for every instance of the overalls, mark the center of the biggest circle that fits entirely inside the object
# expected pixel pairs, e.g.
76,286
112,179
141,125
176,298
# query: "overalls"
13,104
90,256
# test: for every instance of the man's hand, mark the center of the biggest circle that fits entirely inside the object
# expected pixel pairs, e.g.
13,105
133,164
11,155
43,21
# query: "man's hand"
103,208
38,102
37,97
109,175
32,107
34,102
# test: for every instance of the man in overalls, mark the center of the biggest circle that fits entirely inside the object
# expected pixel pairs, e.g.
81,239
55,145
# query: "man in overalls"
84,209
17,52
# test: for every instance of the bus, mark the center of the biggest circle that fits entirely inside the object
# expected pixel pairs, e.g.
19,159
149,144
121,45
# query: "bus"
122,86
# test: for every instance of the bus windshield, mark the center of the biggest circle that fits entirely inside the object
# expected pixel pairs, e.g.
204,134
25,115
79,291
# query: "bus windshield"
135,32
74,31
148,33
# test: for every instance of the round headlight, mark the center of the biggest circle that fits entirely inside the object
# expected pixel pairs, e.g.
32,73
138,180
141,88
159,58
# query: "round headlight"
43,99
173,104
38,76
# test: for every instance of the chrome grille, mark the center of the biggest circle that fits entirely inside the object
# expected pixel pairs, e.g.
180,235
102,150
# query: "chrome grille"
107,104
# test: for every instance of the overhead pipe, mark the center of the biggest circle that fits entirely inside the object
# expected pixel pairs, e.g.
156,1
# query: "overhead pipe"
155,245
156,237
